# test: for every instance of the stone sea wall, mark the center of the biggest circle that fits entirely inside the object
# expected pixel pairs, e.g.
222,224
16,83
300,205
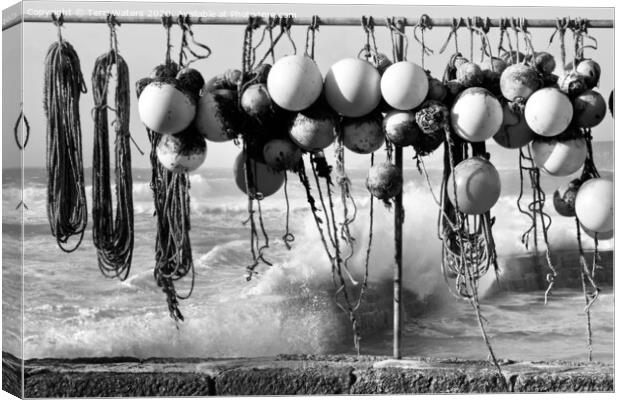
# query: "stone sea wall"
291,375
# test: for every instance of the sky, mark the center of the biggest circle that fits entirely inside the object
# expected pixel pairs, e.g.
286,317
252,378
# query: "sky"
143,47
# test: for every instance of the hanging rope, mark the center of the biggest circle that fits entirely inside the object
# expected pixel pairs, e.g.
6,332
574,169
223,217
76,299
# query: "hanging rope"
173,251
534,210
255,217
66,197
311,36
587,282
560,29
424,23
502,34
468,248
113,237
589,286
456,24
396,33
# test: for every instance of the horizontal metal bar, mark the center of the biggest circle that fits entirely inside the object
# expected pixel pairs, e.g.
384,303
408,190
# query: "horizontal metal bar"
242,20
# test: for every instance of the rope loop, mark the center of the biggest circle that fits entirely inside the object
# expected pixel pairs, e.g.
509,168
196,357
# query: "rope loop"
424,23
285,26
514,24
166,22
58,22
310,36
395,32
21,117
456,24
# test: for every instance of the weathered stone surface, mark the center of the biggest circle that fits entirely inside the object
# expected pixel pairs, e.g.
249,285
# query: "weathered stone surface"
300,374
284,381
96,384
574,382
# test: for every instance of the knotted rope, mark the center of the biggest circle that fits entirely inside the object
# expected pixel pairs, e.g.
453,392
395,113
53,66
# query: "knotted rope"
113,237
424,23
560,29
66,197
185,24
456,24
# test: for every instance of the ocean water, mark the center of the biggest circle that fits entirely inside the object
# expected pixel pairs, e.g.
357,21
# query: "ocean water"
71,310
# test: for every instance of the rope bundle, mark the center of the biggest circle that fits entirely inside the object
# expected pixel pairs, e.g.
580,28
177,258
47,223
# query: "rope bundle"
173,251
113,237
66,196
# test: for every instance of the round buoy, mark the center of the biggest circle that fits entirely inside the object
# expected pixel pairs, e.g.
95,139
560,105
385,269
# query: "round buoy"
599,235
184,152
294,82
313,129
208,122
281,154
436,90
476,115
548,112
256,101
383,63
384,181
352,87
591,70
191,80
363,135
167,70
589,109
518,82
469,75
573,83
404,85
514,131
164,108
494,64
513,57
477,186
594,205
544,62
400,127
559,158
264,180
564,198
611,102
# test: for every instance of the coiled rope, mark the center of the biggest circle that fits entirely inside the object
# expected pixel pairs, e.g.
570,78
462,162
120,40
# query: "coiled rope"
66,197
113,236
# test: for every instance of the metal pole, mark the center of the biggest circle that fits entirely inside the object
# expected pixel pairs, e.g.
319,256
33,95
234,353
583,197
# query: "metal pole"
243,20
398,221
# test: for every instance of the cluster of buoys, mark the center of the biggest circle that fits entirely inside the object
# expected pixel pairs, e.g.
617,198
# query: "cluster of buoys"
289,108
168,104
